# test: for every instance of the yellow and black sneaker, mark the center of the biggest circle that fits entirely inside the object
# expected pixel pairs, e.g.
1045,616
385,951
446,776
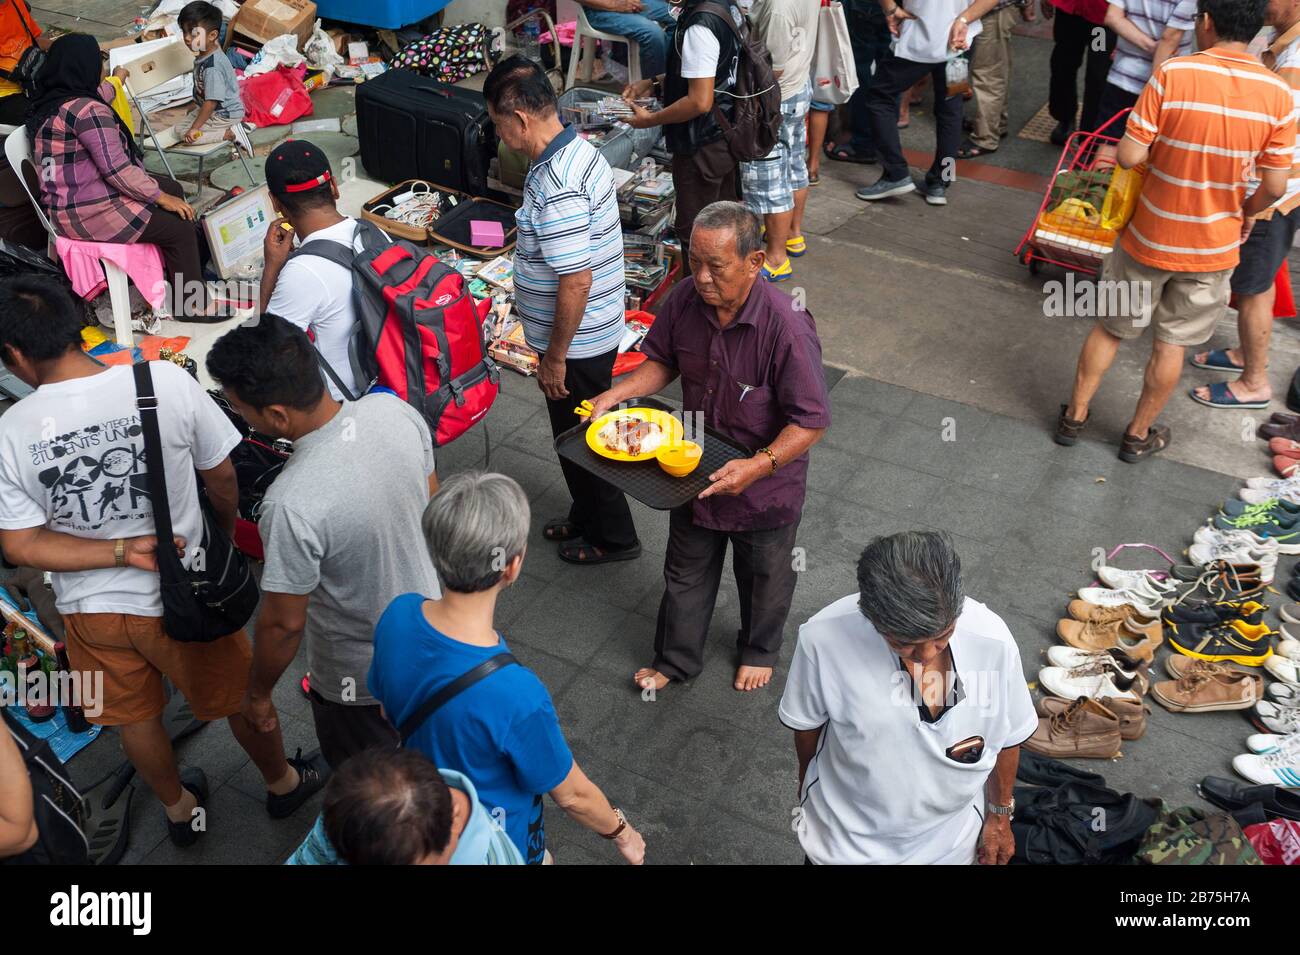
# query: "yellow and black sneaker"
1235,642
1213,612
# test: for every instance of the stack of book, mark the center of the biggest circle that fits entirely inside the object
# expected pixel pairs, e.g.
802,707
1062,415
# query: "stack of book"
644,261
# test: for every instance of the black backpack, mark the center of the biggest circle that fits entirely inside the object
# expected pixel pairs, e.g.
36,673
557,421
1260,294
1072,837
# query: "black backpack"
59,808
754,128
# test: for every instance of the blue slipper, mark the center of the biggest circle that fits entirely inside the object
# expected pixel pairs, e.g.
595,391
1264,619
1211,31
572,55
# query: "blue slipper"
1222,397
1217,360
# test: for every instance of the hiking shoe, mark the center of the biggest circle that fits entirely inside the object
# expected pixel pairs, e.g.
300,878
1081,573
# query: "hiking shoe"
1136,641
185,834
1132,716
1207,690
1108,597
1264,527
1067,429
1278,768
936,194
1235,642
1082,610
1272,717
1284,669
1084,728
884,188
1133,449
1101,677
313,773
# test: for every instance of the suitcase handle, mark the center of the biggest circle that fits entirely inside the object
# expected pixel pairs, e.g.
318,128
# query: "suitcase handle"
434,90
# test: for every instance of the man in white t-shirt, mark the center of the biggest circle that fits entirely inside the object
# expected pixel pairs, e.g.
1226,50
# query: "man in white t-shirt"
908,704
307,290
925,32
74,500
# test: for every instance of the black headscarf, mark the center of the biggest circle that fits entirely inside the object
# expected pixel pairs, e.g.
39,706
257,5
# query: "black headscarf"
72,70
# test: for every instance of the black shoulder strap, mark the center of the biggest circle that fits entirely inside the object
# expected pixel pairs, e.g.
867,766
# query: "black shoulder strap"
24,14
153,454
453,689
722,13
339,254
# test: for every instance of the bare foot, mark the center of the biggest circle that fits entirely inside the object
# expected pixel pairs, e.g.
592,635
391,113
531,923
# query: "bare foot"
1234,356
1238,392
648,678
752,678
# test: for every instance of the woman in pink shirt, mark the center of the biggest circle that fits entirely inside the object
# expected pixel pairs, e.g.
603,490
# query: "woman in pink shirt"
1077,33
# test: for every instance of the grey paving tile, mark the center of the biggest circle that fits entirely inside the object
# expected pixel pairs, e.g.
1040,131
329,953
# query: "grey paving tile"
856,393
849,477
1092,498
554,672
977,513
565,623
724,839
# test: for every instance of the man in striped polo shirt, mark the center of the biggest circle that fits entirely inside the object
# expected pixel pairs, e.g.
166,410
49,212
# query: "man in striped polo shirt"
1264,251
1147,33
1201,123
569,289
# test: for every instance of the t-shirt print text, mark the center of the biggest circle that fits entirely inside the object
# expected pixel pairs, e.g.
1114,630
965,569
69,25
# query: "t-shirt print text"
97,475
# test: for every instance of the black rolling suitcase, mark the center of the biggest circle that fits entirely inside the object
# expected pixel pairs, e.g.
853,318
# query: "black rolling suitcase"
412,127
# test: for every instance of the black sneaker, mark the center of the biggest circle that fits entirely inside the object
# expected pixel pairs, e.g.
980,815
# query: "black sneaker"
185,834
1211,613
312,776
1060,133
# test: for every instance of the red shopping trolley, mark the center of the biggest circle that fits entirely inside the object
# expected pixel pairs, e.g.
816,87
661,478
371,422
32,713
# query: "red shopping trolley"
1088,202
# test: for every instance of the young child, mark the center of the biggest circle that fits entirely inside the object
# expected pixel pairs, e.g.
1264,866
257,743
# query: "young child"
220,111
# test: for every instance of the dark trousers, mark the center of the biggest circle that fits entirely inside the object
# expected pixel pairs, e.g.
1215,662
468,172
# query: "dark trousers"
1073,46
344,729
894,77
598,508
869,37
765,579
13,109
178,241
696,188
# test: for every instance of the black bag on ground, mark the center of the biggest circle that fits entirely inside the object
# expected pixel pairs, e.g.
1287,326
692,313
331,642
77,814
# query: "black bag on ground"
412,127
57,805
1078,823
217,595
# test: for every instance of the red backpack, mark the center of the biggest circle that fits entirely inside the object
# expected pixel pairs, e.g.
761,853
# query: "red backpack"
418,331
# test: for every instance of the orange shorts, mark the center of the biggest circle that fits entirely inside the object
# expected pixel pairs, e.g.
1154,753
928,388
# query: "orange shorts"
134,654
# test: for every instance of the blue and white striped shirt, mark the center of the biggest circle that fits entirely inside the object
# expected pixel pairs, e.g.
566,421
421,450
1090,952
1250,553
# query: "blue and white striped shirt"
568,223
1131,68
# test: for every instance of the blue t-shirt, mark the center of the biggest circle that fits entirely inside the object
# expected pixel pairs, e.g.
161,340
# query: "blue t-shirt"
502,732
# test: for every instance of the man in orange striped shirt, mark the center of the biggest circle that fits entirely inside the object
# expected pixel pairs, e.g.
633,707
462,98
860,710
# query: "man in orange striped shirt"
1264,251
1205,124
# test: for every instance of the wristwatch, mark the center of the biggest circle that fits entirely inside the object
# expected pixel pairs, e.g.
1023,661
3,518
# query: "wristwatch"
1008,810
622,824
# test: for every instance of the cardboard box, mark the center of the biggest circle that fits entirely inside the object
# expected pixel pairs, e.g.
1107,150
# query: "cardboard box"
259,21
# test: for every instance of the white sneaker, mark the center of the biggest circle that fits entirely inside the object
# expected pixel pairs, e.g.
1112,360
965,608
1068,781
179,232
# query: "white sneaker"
241,138
1281,768
1276,718
1261,490
1100,679
1071,657
1264,743
1143,603
1139,581
1284,669
1209,534
1283,694
1202,554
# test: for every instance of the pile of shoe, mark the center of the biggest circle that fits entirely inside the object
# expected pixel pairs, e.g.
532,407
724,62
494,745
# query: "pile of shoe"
1282,432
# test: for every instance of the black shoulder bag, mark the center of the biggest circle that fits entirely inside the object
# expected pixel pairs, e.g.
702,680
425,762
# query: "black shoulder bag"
218,594
453,689
30,60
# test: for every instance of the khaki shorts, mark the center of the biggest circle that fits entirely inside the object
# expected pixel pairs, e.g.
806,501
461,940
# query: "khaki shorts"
134,654
1182,307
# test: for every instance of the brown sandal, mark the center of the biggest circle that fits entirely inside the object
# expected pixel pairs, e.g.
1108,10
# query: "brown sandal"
1134,449
580,552
561,529
1067,429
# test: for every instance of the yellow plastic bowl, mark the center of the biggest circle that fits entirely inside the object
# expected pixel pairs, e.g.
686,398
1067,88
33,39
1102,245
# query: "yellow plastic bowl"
680,459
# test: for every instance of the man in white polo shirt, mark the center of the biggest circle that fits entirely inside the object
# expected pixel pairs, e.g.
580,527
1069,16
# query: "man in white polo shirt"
908,705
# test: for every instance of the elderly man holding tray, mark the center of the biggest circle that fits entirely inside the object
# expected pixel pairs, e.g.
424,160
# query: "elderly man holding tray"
750,364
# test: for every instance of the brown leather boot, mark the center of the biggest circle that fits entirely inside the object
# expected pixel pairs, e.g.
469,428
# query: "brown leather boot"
1132,716
1084,729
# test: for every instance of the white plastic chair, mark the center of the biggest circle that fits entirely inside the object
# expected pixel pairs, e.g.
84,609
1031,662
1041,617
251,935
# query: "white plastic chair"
583,56
18,151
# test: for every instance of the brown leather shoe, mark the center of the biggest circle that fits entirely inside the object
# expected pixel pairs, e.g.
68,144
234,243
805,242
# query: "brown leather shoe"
1179,666
1137,640
1272,429
1082,610
1203,690
1067,429
1084,728
1133,449
1132,716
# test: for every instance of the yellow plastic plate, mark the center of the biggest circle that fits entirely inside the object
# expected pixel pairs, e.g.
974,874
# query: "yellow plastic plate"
672,429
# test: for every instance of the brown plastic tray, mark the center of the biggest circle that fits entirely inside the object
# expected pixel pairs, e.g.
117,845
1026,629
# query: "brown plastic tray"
645,480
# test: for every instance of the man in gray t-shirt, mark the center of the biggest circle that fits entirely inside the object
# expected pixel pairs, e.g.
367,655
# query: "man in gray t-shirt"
340,527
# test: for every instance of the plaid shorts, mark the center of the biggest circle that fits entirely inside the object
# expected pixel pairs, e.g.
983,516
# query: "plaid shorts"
769,184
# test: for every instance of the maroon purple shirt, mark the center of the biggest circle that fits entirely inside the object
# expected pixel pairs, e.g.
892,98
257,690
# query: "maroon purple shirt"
750,379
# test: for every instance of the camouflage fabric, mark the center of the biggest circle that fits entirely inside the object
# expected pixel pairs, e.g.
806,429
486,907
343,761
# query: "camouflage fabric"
1189,836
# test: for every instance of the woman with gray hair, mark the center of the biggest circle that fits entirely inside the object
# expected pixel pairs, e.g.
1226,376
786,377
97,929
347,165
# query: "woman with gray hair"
447,681
908,704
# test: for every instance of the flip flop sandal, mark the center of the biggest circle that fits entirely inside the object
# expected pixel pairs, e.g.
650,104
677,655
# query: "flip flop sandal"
1217,360
969,150
842,152
796,247
561,529
815,180
580,552
904,125
1222,397
780,274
